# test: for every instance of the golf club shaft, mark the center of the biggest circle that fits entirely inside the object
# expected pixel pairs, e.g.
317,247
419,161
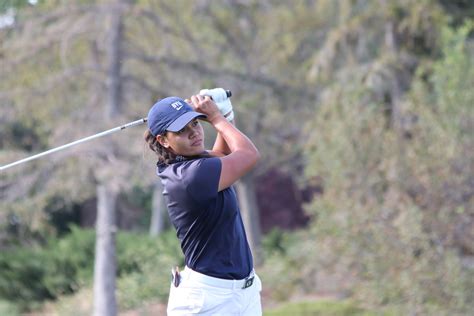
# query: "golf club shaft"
83,140
77,142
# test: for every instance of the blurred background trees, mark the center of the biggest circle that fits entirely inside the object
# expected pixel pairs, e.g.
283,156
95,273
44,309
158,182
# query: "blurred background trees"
363,111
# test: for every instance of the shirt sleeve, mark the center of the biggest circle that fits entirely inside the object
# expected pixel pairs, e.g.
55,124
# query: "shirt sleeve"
203,179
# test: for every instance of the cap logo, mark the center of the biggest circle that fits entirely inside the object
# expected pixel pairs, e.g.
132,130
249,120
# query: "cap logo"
177,105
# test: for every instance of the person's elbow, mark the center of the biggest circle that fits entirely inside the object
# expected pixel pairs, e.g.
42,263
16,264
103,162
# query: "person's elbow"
254,156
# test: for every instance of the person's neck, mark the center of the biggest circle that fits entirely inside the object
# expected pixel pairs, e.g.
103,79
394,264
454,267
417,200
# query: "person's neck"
180,158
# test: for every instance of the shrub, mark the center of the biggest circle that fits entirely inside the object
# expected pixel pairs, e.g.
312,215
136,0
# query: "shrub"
392,194
145,267
7,308
322,308
31,275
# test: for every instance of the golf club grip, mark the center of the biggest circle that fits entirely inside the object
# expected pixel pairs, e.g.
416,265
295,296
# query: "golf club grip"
227,92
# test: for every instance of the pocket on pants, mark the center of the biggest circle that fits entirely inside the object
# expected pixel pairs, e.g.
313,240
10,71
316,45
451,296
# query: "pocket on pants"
183,300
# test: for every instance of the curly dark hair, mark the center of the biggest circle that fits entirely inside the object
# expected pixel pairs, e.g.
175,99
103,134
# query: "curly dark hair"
164,155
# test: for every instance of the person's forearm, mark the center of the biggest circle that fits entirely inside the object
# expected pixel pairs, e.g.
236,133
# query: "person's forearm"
234,139
220,145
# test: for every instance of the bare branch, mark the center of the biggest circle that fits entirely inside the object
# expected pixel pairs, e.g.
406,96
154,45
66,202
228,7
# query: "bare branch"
277,87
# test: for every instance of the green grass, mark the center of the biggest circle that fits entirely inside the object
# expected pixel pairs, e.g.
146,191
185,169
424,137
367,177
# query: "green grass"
321,308
7,308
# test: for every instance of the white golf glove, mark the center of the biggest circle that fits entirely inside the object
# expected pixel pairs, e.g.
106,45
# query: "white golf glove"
222,101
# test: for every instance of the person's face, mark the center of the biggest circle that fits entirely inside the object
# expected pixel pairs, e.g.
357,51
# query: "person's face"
187,142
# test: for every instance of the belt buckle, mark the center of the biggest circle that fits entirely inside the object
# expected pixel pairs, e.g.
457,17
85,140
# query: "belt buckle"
248,282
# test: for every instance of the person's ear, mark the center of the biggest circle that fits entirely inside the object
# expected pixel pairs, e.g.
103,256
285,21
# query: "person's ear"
163,141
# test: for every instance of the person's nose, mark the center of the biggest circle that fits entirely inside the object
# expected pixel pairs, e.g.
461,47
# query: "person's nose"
193,131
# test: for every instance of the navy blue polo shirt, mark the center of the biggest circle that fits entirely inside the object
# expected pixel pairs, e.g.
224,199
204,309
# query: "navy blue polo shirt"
208,223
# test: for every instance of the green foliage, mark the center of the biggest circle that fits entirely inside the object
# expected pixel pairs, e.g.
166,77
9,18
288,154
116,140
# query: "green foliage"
141,197
29,276
453,79
7,308
459,10
7,4
322,308
22,135
286,263
383,90
61,215
386,221
145,264
277,241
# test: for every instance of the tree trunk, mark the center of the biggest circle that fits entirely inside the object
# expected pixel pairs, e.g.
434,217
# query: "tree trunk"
114,54
105,261
105,255
159,216
250,215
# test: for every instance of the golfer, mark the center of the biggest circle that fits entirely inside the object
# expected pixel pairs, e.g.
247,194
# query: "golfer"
219,278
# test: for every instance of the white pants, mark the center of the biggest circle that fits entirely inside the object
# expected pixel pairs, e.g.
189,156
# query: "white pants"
204,295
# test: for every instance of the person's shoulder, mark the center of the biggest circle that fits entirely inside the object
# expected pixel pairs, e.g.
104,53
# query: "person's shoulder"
190,168
201,163
201,178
